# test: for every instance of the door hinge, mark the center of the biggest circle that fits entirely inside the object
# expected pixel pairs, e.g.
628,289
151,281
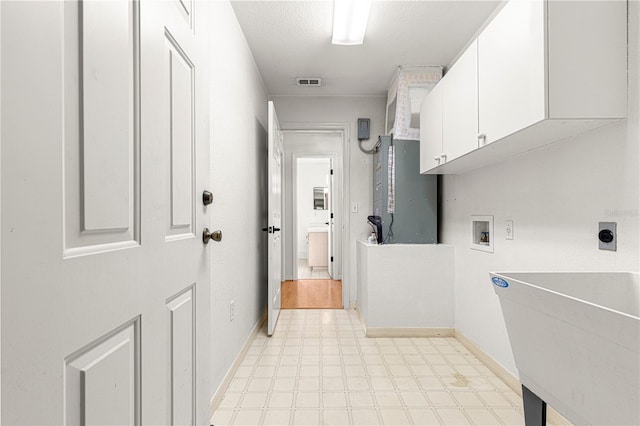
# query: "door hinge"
331,171
332,258
331,215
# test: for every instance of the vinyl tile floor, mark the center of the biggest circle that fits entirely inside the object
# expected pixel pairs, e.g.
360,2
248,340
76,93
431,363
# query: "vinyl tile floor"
319,369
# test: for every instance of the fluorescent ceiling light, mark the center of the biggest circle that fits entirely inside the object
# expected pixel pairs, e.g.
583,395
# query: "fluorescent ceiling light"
350,21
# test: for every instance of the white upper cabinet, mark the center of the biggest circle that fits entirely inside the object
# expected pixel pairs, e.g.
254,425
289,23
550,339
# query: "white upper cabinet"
460,106
511,70
547,70
449,114
431,129
587,57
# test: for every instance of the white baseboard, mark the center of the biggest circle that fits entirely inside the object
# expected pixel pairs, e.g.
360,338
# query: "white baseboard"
404,331
553,417
408,332
219,393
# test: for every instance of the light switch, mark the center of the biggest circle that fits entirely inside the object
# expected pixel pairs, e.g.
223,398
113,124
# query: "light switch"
508,230
354,207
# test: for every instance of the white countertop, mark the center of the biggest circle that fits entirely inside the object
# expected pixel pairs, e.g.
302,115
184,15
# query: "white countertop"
318,227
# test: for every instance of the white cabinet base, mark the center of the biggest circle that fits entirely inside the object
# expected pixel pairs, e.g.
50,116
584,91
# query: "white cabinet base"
544,133
406,286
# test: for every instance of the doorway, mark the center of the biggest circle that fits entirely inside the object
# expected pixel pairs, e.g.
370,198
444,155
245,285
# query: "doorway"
314,219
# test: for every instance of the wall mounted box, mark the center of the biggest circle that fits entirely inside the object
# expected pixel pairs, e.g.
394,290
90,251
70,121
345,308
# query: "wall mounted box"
547,71
364,124
482,235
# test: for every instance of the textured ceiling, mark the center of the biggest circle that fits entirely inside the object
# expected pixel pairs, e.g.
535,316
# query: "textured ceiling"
292,39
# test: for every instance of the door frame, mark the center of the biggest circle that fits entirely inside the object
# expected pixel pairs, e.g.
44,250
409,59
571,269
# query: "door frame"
0,215
294,204
345,129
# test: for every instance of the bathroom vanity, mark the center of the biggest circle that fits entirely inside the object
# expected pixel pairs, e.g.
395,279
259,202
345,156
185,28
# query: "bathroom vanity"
318,239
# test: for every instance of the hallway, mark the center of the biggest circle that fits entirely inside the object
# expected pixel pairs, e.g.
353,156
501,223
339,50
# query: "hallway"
318,368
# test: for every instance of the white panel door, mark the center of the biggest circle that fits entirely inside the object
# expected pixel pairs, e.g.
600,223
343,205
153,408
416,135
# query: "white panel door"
105,277
275,159
511,70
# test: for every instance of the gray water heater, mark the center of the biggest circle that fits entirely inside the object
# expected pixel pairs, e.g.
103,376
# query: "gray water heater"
405,200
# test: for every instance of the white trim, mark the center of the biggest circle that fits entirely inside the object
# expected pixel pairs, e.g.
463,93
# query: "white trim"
320,95
345,128
0,219
553,417
219,393
404,331
409,332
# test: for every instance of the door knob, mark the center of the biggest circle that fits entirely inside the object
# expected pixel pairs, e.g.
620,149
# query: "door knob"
207,198
207,235
275,229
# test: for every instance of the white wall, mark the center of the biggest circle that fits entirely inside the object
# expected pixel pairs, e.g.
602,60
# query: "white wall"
238,168
312,172
406,285
335,109
556,196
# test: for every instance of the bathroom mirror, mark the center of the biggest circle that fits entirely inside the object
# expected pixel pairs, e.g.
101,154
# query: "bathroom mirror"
320,198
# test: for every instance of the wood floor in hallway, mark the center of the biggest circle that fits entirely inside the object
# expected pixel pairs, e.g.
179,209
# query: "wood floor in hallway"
311,294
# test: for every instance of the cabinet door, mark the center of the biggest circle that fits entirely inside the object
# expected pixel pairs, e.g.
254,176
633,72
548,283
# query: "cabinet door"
460,106
431,129
511,70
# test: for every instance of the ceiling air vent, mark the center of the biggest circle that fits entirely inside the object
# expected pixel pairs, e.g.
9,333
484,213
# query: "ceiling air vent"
309,82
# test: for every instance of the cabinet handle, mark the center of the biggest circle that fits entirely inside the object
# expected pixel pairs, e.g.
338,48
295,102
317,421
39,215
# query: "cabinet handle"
437,159
482,139
444,157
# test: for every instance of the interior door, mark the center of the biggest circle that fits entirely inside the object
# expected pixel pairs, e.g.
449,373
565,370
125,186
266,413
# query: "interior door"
275,219
105,277
330,235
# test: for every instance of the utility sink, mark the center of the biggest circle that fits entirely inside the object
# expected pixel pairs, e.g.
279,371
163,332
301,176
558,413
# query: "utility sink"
575,338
